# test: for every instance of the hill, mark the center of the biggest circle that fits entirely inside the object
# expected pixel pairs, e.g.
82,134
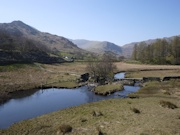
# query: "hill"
98,46
18,49
20,42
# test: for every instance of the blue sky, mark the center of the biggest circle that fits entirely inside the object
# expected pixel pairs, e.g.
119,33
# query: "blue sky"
117,21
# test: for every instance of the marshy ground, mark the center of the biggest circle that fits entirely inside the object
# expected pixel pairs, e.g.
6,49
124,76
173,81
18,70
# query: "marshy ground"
155,111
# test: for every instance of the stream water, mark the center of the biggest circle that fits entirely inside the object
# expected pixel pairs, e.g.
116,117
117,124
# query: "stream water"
45,101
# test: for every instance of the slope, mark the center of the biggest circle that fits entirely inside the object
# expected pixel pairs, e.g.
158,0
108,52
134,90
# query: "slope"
98,46
18,37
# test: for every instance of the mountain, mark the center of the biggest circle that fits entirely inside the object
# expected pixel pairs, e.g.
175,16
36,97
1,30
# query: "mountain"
98,46
53,42
20,42
18,49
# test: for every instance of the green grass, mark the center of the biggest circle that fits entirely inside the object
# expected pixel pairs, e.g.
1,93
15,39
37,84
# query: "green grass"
13,67
117,119
67,84
155,88
104,89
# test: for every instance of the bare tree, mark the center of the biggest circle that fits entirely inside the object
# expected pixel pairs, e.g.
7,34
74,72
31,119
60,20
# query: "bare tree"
102,70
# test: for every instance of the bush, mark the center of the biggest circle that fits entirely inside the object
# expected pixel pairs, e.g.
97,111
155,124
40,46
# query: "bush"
167,104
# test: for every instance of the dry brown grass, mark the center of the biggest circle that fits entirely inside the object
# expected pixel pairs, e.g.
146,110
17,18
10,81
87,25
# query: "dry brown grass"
156,73
137,67
71,68
32,76
80,67
25,78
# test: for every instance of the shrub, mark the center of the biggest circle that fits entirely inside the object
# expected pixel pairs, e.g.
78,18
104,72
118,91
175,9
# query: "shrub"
167,104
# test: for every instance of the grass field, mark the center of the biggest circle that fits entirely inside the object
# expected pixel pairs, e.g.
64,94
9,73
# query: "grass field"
138,67
154,73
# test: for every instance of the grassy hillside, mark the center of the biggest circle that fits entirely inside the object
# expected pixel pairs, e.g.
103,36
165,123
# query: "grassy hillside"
22,37
18,49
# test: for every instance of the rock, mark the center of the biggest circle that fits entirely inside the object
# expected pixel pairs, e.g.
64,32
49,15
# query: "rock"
84,77
146,79
97,114
167,78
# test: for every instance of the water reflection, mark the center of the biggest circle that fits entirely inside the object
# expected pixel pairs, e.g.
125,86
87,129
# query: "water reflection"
119,75
49,100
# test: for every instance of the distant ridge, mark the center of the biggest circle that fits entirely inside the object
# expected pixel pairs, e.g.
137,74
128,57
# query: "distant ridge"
104,46
98,46
56,44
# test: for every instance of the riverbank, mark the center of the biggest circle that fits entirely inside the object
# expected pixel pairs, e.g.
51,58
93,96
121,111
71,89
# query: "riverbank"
155,111
22,77
25,77
148,114
115,116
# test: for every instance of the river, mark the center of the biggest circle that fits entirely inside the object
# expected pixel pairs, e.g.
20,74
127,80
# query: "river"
45,101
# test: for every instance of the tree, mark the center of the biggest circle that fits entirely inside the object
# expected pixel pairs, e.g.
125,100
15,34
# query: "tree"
103,70
135,51
159,52
176,50
141,52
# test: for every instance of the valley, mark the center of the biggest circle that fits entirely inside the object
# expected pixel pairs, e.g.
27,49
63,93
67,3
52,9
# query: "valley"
34,62
113,113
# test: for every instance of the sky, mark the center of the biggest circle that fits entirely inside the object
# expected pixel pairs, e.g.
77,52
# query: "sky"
117,21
